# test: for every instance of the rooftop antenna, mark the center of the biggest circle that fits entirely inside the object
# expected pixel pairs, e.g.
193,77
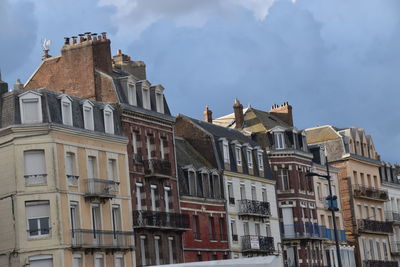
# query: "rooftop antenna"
45,45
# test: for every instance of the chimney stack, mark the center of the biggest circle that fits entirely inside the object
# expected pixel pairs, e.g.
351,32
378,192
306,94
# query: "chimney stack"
3,86
74,39
207,115
238,110
18,85
283,112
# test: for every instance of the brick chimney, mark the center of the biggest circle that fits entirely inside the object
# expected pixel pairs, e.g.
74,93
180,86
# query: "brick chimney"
207,115
283,112
124,62
238,110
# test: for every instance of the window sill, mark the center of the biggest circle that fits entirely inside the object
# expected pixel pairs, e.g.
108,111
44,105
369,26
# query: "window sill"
41,237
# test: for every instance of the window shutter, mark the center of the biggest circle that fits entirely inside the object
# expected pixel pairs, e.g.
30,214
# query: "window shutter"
37,209
34,162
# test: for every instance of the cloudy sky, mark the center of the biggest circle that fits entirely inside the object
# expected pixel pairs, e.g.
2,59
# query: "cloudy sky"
335,61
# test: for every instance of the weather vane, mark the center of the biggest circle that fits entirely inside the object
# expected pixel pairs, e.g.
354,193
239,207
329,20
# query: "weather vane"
45,45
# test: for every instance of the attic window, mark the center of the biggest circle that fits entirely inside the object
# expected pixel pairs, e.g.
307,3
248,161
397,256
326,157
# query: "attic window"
88,115
159,100
279,140
108,120
146,97
249,158
132,94
30,108
260,160
238,151
66,110
225,149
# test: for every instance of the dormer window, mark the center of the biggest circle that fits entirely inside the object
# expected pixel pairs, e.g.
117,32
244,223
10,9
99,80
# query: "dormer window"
108,119
160,99
132,94
146,96
249,158
279,140
260,160
238,152
30,107
225,151
88,115
66,110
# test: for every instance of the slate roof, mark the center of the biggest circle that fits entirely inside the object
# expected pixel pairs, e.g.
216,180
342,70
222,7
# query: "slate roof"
188,155
51,111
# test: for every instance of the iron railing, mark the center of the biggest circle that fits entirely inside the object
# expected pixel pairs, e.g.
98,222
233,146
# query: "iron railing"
254,207
308,230
101,188
158,219
330,235
35,179
157,166
376,263
256,243
137,158
87,238
395,247
363,191
73,180
369,226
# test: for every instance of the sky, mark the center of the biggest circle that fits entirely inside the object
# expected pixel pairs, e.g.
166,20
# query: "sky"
335,61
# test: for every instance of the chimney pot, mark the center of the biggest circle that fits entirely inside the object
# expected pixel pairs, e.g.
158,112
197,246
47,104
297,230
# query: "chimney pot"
94,36
119,52
104,35
81,39
88,36
238,111
74,39
66,40
207,115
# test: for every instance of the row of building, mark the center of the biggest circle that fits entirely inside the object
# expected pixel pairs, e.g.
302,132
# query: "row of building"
95,171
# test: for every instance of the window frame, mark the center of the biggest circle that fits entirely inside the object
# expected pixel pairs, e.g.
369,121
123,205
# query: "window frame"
88,107
146,99
27,97
132,93
66,100
279,139
108,116
159,95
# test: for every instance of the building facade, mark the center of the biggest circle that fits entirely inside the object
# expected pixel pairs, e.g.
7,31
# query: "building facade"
290,160
252,219
65,185
202,198
390,179
86,69
362,197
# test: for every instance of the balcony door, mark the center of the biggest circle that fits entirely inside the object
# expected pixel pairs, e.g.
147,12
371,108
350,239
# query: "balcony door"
74,221
117,226
96,224
287,214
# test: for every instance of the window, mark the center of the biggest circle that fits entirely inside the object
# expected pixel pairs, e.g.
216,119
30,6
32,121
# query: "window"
74,218
246,228
157,249
66,110
196,227
279,140
119,260
150,146
30,107
378,249
222,228
191,181
139,196
385,252
167,199
211,228
319,194
264,194
143,246
257,229
146,97
77,260
283,176
136,143
35,167
371,249
253,192
116,219
132,94
98,260
112,169
260,159
242,191
234,230
171,250
225,149
41,261
88,115
238,156
38,218
268,229
108,119
164,149
92,167
154,198
249,158
230,193
70,169
160,99
365,249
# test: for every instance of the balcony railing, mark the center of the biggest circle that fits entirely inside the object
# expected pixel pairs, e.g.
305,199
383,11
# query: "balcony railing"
101,188
304,231
370,226
157,166
160,220
254,207
392,216
137,158
254,243
395,247
330,235
370,192
35,179
73,180
374,263
100,239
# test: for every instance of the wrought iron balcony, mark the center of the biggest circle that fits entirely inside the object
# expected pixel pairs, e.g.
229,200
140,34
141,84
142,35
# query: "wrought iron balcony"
254,208
73,180
35,179
137,158
392,216
101,239
160,220
258,244
157,167
304,231
395,247
370,226
374,263
101,188
362,191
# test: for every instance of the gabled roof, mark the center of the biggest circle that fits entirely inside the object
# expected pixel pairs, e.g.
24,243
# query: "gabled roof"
321,133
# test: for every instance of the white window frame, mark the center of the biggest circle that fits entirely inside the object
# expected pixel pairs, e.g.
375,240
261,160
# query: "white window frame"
108,114
87,108
40,257
30,96
143,249
66,102
77,256
132,98
159,91
146,96
249,152
238,153
157,249
139,196
39,235
225,151
260,159
279,140
119,256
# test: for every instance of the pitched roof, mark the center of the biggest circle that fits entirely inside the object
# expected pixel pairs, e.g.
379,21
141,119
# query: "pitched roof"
188,155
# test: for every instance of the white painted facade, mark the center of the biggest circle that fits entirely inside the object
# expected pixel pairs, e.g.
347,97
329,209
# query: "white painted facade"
392,213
